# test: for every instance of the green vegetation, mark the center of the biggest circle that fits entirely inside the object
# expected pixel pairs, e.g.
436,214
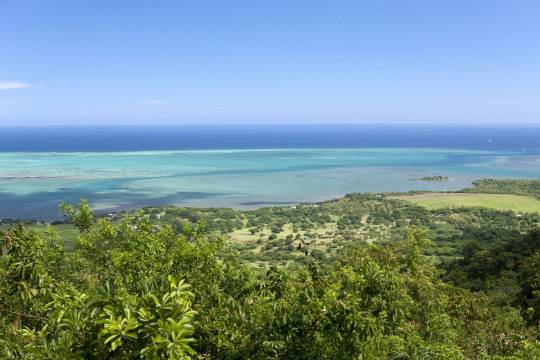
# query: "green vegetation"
494,201
507,186
67,233
356,283
81,216
507,269
283,236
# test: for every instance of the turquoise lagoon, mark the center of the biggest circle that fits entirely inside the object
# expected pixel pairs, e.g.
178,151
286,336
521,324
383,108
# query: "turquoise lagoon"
33,183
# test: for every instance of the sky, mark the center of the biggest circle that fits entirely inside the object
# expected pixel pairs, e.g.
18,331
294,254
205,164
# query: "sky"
291,61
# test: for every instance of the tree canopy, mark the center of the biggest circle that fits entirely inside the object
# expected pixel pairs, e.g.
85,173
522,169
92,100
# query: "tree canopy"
143,289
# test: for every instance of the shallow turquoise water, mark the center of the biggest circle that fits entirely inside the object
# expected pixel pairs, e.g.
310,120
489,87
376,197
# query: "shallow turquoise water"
32,184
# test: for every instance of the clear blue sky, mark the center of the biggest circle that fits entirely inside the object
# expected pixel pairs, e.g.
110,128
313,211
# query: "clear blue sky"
93,62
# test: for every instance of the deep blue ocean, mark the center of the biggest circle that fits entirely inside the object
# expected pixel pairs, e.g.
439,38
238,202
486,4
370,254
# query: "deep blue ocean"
201,137
246,166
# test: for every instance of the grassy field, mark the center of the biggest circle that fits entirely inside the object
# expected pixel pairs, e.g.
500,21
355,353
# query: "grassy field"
495,201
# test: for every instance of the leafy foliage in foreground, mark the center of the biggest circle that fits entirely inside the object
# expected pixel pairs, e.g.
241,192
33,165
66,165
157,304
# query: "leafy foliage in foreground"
123,294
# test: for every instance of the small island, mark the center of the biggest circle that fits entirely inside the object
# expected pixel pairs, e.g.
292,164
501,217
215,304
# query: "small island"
434,178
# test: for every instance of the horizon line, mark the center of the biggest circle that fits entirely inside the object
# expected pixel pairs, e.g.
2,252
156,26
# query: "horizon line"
202,124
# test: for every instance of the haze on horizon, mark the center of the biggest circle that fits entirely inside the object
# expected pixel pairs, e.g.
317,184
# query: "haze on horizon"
124,62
